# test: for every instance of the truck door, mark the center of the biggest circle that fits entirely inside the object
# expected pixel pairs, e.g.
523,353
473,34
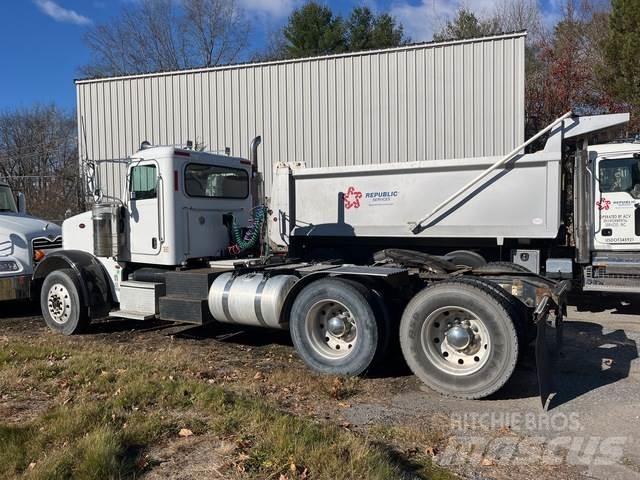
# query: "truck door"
617,206
145,195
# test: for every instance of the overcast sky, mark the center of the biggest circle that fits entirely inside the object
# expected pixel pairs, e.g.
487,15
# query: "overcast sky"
41,40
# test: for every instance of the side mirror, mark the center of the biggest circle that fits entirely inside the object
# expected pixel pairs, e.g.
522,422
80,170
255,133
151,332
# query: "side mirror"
21,201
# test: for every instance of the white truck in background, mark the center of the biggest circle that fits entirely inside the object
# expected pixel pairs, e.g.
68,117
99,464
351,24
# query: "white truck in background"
24,242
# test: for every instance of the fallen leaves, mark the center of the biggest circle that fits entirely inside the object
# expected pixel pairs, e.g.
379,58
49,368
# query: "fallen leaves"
487,462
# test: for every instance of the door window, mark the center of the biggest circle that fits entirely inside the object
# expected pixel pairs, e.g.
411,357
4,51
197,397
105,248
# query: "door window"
144,181
212,181
621,175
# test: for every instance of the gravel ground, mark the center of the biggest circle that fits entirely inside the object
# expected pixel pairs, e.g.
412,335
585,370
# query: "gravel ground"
589,431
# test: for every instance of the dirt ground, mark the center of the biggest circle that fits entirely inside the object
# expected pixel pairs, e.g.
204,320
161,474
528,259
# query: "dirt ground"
589,431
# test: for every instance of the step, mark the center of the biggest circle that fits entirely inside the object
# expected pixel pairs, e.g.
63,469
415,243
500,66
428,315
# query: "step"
192,284
131,315
140,297
185,310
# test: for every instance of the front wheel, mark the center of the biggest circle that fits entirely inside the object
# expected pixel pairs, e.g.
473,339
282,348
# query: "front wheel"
459,339
60,302
337,327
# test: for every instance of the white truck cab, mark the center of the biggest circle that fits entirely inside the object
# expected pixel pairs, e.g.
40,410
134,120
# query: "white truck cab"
175,209
617,207
24,242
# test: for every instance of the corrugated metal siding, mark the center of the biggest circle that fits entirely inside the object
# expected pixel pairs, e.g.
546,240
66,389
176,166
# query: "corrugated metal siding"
422,102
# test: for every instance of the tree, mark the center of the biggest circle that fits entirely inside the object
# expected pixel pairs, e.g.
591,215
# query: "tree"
518,15
467,25
39,156
312,30
365,30
563,74
160,35
621,69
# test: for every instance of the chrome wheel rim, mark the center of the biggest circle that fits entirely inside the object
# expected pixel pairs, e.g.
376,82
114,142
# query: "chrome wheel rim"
331,329
456,340
59,303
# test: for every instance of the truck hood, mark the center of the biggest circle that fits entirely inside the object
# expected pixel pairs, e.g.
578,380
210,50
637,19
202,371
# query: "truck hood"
27,226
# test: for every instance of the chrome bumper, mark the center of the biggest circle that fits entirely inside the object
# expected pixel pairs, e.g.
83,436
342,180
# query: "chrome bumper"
15,288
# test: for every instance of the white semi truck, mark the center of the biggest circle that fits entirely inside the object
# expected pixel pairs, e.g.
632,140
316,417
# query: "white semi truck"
24,243
351,258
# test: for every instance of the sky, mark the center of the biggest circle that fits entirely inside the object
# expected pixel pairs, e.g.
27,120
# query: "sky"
42,49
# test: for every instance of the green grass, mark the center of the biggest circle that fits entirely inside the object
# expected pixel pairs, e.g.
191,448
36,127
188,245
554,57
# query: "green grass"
107,405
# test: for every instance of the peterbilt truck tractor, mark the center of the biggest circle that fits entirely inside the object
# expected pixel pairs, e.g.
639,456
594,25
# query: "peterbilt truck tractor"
352,259
24,242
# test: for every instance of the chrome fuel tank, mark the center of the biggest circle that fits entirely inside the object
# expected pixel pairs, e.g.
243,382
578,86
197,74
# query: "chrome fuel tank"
251,299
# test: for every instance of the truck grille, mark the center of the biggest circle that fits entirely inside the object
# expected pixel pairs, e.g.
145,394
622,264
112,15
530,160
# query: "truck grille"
599,279
43,243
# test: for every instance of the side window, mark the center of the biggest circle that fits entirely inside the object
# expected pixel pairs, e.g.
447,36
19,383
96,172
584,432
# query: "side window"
620,176
144,179
212,181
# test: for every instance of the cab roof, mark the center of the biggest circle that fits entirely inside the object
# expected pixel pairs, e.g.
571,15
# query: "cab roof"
606,149
165,151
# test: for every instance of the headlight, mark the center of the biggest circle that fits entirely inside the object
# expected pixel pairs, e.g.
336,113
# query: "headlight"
9,266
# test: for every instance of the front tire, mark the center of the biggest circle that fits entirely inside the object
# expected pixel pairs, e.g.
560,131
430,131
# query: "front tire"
459,339
337,327
60,301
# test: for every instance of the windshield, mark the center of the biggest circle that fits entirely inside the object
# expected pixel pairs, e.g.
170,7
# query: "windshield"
7,202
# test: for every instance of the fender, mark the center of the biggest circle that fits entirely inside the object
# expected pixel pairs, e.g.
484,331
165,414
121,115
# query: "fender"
94,283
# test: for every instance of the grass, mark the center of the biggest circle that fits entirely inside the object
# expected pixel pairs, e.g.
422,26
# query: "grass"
105,406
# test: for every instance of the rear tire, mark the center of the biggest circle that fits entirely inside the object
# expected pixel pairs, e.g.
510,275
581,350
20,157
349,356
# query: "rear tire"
471,361
60,301
338,327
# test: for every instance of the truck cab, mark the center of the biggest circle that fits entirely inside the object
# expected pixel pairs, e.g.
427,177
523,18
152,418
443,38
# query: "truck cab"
615,181
24,243
175,212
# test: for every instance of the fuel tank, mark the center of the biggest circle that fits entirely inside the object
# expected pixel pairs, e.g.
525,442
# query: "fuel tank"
251,299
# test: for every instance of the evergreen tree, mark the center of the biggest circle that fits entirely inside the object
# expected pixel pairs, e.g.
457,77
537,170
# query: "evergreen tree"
365,30
467,25
312,30
621,72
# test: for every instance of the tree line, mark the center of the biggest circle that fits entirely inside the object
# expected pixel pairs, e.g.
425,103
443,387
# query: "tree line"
588,62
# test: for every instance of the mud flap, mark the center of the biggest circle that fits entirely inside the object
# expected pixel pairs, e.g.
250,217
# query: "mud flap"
546,351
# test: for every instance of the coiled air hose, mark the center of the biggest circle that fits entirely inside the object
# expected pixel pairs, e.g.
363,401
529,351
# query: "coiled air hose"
252,233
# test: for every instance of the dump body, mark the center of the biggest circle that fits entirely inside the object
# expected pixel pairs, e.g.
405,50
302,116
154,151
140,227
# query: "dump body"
520,201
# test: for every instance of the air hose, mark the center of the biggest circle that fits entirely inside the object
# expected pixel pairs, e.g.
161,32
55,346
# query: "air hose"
242,242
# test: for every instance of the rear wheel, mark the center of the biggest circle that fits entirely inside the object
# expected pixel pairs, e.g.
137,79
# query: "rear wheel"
337,327
60,302
460,339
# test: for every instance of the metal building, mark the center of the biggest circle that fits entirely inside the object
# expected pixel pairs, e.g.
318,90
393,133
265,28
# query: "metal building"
418,102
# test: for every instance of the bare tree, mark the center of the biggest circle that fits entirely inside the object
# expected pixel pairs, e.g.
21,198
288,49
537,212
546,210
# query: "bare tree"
517,15
160,35
38,156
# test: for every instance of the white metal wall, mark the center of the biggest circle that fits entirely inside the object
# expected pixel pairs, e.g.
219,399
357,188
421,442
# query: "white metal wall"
420,102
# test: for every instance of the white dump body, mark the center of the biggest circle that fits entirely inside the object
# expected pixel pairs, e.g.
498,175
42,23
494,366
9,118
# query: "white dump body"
519,201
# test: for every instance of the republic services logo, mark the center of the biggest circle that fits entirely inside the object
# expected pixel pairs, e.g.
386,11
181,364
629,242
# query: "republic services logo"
603,204
352,198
